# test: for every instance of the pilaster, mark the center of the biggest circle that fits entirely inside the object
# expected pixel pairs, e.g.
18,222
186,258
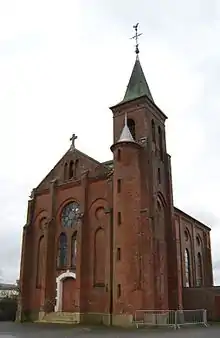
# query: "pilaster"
49,290
82,252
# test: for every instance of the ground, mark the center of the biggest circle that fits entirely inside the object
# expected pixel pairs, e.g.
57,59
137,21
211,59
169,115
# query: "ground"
12,330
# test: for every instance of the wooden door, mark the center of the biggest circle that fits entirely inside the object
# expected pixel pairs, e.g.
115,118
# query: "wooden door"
69,290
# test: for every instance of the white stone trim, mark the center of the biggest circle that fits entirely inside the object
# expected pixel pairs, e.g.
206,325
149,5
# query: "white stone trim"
59,283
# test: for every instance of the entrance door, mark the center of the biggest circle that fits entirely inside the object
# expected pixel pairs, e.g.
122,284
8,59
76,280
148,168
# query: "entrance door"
69,290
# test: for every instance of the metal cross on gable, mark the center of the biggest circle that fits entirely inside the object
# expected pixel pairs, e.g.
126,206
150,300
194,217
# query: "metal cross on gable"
136,36
73,139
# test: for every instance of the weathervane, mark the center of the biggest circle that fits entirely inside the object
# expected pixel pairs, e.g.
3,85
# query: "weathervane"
136,36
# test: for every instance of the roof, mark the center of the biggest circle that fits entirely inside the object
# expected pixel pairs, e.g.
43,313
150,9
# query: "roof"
137,85
191,218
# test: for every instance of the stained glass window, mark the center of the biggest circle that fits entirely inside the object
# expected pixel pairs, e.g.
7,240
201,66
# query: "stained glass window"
70,215
62,251
187,268
199,270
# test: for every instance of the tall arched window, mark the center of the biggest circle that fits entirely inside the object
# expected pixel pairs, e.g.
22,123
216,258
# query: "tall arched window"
160,142
62,251
153,130
40,262
187,268
71,169
131,126
199,270
65,171
73,249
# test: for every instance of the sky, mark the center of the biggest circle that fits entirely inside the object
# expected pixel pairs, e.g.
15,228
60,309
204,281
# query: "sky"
63,63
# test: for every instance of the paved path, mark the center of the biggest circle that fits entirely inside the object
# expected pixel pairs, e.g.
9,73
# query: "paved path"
13,330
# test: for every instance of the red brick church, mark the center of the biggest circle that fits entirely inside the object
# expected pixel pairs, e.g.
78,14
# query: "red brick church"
103,240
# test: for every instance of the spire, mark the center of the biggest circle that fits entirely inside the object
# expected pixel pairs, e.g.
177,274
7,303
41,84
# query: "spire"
137,85
126,134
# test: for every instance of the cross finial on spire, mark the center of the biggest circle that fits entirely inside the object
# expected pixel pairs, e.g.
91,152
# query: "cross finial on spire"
136,36
72,139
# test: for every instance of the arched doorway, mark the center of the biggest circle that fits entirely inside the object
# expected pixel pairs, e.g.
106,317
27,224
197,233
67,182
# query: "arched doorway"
66,292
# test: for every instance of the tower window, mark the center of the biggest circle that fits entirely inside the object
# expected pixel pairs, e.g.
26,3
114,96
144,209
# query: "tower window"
159,175
153,131
119,290
118,186
119,218
160,142
118,254
131,126
119,155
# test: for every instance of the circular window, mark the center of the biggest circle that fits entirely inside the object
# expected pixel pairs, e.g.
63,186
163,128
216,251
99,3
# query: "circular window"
70,215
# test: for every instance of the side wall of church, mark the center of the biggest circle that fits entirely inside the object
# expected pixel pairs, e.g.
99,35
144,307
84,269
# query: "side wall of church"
193,252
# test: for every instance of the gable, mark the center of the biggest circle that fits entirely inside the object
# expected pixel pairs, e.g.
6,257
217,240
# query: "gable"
83,161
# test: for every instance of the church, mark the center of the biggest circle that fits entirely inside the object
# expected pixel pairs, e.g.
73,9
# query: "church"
103,240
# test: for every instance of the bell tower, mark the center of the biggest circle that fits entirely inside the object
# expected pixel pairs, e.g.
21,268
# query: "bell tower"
157,243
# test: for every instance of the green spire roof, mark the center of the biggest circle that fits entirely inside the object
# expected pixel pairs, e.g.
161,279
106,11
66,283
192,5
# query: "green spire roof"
137,85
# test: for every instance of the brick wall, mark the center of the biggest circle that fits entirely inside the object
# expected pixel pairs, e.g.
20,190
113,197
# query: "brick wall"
203,298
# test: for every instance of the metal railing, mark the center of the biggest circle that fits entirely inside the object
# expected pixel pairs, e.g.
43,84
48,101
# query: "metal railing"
170,318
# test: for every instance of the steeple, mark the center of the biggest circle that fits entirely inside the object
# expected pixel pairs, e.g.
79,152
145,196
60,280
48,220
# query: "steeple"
137,85
126,134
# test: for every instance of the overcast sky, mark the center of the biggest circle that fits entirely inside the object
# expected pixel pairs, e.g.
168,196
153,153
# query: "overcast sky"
63,63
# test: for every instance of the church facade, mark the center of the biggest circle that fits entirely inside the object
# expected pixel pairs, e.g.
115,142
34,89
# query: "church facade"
104,239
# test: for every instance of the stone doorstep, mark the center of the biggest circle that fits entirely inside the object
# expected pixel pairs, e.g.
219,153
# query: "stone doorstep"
77,317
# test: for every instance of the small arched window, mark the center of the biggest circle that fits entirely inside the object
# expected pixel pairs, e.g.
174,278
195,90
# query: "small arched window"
187,268
160,142
62,251
119,155
65,171
131,126
199,270
73,249
71,169
153,130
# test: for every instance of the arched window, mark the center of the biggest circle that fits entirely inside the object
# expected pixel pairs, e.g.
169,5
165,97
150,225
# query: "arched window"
40,262
75,173
153,130
73,249
131,126
62,251
199,270
160,142
65,171
71,169
119,155
70,215
187,268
